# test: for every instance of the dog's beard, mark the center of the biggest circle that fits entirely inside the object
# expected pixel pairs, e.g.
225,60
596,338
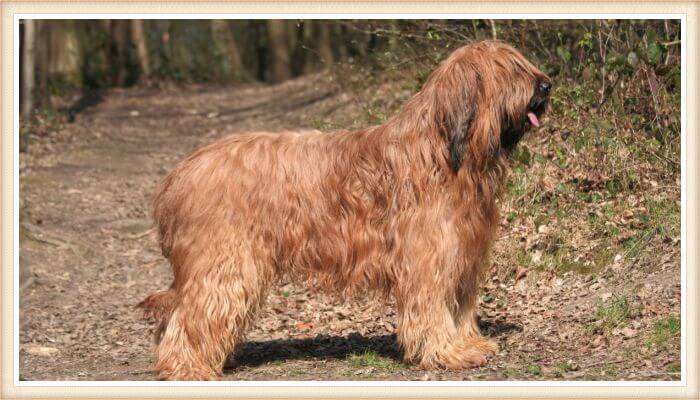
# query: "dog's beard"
510,136
514,131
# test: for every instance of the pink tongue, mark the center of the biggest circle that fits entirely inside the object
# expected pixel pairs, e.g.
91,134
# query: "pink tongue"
533,119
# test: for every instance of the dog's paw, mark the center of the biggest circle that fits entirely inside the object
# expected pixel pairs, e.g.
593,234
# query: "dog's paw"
190,374
488,347
465,359
457,357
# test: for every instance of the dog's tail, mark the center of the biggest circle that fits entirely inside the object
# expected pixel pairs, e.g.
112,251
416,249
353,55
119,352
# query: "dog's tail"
159,305
165,212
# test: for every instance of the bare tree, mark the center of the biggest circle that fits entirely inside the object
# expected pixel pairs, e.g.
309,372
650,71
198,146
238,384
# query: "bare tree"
278,40
325,49
118,55
28,62
42,48
494,32
339,31
309,57
139,40
222,35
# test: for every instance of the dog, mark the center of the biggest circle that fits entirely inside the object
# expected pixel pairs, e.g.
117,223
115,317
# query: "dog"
406,209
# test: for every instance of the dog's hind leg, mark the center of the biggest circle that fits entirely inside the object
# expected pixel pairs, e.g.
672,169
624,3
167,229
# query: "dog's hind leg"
215,306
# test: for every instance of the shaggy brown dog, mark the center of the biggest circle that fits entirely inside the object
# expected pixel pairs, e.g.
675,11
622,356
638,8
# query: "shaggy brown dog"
406,208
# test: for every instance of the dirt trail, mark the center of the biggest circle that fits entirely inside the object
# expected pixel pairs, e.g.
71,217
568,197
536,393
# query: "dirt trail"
88,256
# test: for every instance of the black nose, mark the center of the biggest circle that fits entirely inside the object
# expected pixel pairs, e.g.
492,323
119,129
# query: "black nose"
544,87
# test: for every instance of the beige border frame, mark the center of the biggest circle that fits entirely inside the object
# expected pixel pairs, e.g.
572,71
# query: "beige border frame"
691,9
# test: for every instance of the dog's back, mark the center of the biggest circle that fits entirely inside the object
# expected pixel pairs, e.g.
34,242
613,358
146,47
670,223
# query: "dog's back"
305,207
229,175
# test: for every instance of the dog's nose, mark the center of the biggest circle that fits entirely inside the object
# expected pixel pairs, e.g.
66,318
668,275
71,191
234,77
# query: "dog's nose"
545,87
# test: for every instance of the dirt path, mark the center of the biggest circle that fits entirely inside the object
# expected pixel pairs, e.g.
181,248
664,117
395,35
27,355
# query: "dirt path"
88,256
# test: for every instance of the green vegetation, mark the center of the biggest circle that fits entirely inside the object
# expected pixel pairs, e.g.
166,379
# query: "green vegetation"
674,368
592,197
534,369
372,359
666,330
615,311
510,372
564,367
610,369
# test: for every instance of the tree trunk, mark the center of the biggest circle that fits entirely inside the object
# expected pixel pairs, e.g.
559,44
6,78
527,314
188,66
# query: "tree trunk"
42,49
222,35
325,49
118,59
64,52
262,55
340,45
29,64
309,57
139,40
494,32
278,44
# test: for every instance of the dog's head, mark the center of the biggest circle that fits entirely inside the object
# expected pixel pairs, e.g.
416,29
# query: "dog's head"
482,99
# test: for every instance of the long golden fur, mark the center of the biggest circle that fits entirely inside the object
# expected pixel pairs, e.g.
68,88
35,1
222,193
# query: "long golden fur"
406,208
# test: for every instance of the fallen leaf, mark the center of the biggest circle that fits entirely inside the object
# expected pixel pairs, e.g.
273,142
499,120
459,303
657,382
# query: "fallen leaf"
629,333
599,341
537,256
427,377
627,214
41,350
521,273
303,326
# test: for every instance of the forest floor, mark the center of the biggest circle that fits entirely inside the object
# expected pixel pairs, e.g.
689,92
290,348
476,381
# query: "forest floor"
608,309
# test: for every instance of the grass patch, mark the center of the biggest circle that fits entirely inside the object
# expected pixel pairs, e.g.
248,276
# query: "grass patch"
665,216
564,367
518,183
372,359
615,311
598,222
635,244
534,369
602,258
666,329
511,372
296,372
523,258
610,369
674,368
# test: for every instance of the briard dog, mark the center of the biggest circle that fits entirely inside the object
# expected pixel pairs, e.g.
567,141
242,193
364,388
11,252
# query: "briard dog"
406,209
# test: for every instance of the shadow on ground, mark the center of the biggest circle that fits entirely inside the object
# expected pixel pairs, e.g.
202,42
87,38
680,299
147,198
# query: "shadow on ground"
256,353
88,98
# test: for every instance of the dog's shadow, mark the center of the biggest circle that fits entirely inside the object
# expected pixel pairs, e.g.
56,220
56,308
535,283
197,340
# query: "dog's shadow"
256,353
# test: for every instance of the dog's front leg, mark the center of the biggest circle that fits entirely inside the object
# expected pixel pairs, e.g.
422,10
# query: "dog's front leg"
465,315
427,294
428,335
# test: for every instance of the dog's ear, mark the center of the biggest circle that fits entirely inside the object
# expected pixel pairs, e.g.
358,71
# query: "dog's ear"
457,130
465,112
452,95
